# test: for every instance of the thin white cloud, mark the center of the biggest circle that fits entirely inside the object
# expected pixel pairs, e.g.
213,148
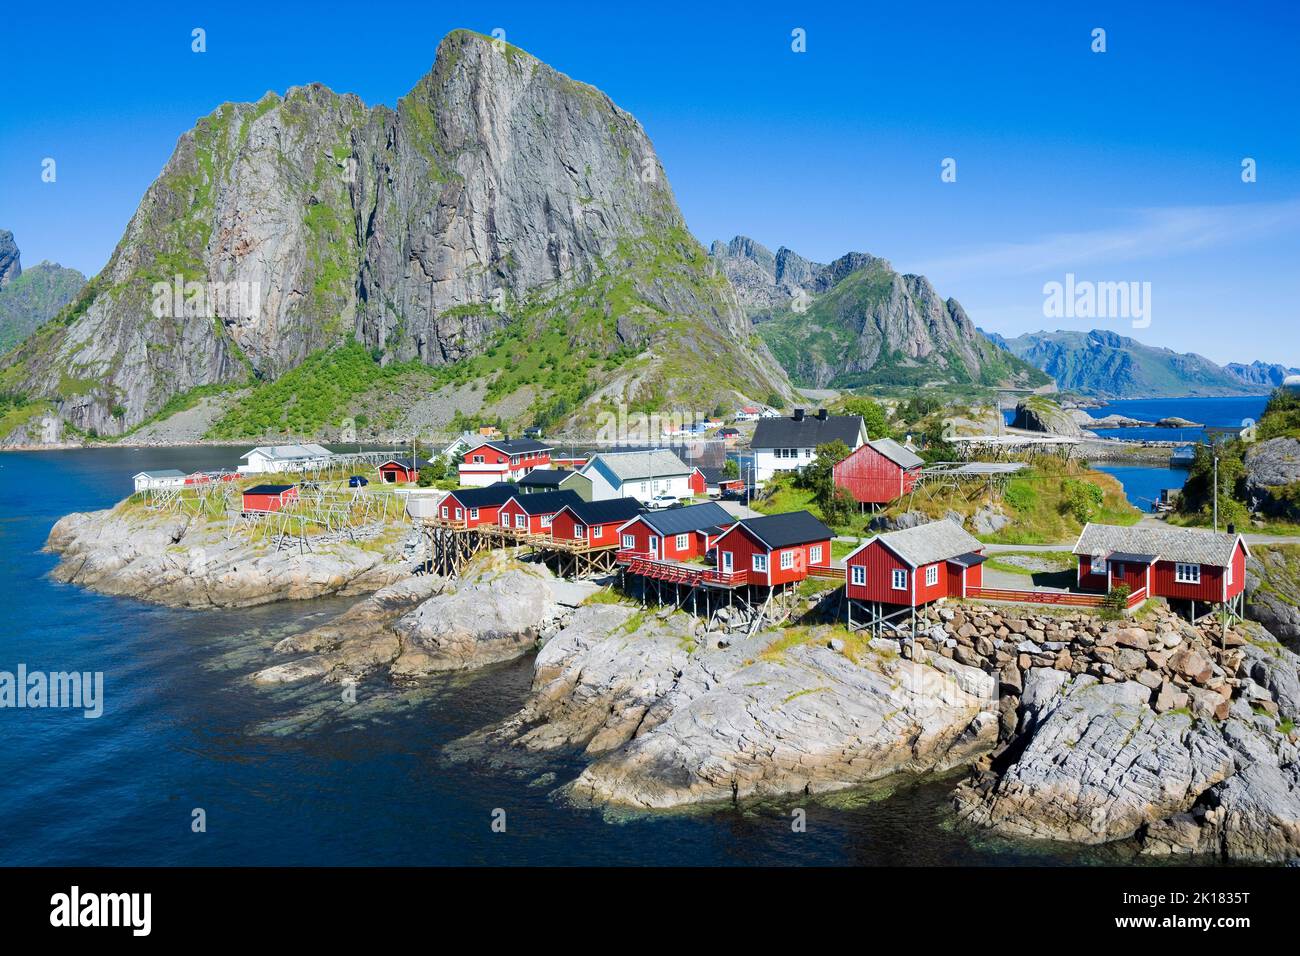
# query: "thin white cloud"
1151,234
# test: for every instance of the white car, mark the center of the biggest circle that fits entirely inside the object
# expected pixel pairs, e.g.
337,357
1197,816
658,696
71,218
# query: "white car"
664,500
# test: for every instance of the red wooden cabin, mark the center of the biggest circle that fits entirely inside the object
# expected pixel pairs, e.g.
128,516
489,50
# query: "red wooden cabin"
399,469
915,566
494,461
532,514
674,534
594,523
878,472
775,549
470,507
697,482
268,497
1189,564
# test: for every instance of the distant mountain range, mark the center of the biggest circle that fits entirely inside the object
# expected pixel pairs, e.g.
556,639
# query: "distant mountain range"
1262,374
29,297
857,322
1105,364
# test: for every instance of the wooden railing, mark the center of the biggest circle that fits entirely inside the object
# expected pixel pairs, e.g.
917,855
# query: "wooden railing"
1057,598
674,572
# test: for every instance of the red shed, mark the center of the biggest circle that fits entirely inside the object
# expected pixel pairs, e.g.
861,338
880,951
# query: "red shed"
470,507
1189,564
775,549
915,566
268,497
697,482
399,469
674,534
594,522
533,513
878,472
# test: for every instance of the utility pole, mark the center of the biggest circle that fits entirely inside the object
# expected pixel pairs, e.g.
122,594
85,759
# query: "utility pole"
1216,489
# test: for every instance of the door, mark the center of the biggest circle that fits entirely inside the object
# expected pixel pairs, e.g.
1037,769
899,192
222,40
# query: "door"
726,562
654,547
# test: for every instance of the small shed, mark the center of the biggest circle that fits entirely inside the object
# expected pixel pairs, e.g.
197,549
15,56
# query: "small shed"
878,472
265,498
396,470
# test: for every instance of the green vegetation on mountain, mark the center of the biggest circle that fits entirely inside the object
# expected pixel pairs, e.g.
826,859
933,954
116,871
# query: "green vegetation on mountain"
34,298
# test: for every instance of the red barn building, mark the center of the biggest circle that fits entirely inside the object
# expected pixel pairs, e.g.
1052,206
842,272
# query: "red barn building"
399,469
594,523
470,507
775,549
268,497
674,534
493,461
914,566
532,514
1188,564
878,472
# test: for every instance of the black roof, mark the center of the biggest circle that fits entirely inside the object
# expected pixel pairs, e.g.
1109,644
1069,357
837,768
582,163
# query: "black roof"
808,433
728,431
547,502
514,446
546,477
407,463
784,530
691,518
716,476
602,512
267,489
968,560
488,497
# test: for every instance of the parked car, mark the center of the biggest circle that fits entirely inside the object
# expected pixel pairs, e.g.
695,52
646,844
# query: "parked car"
665,499
358,481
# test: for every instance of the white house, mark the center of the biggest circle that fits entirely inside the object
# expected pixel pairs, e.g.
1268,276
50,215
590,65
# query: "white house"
165,478
637,474
790,444
278,459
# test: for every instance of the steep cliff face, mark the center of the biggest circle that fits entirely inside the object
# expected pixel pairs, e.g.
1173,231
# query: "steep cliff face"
499,194
32,296
10,267
857,322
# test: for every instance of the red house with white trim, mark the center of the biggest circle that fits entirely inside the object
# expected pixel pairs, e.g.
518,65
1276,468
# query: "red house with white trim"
878,472
1189,564
915,566
775,549
489,462
398,470
532,514
594,523
266,498
470,507
674,534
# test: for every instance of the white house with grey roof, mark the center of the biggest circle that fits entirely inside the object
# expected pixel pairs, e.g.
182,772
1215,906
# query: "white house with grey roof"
790,444
279,459
637,474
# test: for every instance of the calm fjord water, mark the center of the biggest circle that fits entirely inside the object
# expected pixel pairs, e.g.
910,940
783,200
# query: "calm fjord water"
295,776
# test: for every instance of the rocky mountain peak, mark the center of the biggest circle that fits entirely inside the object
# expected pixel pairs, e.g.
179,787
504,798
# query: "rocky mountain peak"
10,267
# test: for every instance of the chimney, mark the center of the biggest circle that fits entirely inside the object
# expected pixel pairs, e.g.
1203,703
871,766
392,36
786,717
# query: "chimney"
1232,528
821,414
798,414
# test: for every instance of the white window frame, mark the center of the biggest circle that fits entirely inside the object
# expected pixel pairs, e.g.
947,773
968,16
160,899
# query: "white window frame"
1227,572
521,521
1097,565
477,460
446,513
546,520
1185,573
858,575
932,575
473,513
579,530
787,560
815,554
682,542
898,575
629,542
460,513
759,563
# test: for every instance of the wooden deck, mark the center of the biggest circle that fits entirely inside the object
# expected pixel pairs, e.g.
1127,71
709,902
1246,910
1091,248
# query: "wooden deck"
677,572
1053,598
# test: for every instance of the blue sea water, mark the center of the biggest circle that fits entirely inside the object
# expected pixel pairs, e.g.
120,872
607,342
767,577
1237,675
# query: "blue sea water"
296,776
1230,412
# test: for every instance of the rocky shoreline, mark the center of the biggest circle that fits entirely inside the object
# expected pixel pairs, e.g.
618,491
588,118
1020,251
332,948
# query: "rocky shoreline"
1150,733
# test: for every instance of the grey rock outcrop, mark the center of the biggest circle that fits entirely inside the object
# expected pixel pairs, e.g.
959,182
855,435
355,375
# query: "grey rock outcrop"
1042,415
1273,468
10,264
498,189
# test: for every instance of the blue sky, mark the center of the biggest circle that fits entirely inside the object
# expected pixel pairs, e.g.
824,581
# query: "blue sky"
1120,166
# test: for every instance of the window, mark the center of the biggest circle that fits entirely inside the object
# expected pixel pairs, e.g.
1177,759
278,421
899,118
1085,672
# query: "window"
504,520
444,511
478,459
629,542
521,521
473,513
683,542
899,579
460,513
760,563
787,560
1187,573
932,575
859,574
546,520
815,554
644,486
580,531
1098,564
807,452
